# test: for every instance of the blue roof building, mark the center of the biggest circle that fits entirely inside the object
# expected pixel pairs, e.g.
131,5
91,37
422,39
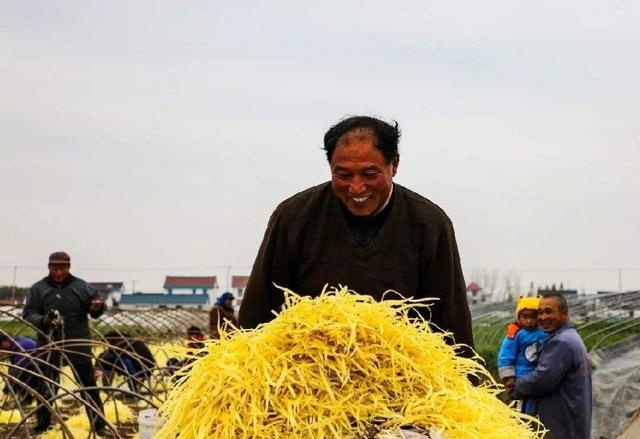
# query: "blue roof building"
159,300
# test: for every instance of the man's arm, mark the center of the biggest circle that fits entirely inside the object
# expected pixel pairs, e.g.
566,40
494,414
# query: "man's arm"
444,279
554,362
32,311
271,265
97,307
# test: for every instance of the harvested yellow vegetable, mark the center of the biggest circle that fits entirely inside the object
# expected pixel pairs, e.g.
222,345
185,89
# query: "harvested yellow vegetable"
57,433
338,366
117,412
79,420
9,416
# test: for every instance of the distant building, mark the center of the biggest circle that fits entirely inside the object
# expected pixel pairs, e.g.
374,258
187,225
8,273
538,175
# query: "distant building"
109,291
190,284
560,290
161,300
475,294
238,285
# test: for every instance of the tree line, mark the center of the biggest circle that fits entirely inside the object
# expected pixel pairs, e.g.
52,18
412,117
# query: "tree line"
8,292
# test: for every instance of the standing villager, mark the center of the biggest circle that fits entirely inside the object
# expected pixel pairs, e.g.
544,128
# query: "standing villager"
222,312
59,306
361,230
560,385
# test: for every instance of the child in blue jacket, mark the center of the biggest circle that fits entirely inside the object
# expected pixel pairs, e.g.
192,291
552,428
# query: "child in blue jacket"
518,353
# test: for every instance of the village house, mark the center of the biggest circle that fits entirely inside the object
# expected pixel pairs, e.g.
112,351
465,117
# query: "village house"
109,291
238,285
194,292
190,284
475,294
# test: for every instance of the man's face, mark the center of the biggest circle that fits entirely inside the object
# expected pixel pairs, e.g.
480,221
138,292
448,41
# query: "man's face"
550,316
58,272
360,176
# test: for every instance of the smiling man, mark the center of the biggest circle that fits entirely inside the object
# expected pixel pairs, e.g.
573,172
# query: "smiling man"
361,230
560,385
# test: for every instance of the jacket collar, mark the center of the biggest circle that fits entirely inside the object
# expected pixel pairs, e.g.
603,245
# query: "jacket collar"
67,280
563,327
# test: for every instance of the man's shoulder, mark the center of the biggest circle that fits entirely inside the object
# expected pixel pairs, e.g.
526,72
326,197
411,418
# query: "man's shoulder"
305,199
75,280
565,338
41,282
81,284
568,334
40,285
420,206
311,193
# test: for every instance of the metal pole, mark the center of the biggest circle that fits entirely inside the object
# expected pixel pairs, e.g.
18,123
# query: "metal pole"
620,279
13,288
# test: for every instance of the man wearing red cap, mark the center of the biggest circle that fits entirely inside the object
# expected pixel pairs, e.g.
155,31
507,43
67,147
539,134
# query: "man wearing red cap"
59,306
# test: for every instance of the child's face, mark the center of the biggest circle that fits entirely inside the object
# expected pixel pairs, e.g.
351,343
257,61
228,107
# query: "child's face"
528,318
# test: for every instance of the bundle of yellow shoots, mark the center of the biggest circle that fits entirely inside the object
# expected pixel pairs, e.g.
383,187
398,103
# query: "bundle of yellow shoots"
10,416
338,366
78,424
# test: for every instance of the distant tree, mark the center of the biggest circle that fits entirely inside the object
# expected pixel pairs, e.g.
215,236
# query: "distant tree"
8,291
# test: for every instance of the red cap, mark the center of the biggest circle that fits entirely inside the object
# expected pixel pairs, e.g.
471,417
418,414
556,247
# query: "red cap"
59,258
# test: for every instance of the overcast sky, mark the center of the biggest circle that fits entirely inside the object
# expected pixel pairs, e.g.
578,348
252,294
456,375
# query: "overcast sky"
155,138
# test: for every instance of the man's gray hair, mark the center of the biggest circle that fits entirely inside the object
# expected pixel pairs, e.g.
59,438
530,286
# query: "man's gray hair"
562,301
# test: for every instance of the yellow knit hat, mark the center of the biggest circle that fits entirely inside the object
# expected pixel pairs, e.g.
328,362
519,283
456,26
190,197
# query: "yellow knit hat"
527,303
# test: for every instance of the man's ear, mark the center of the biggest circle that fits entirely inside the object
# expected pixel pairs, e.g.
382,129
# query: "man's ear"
395,163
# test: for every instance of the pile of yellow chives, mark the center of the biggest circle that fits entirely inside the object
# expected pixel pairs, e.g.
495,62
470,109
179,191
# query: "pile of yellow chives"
338,366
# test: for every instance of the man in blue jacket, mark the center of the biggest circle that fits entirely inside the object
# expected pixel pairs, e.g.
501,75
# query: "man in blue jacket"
560,385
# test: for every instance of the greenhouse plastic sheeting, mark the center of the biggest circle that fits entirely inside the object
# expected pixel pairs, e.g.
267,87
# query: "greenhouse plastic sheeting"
616,388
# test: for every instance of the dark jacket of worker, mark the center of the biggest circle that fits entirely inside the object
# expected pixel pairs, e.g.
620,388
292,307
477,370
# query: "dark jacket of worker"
311,240
72,299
